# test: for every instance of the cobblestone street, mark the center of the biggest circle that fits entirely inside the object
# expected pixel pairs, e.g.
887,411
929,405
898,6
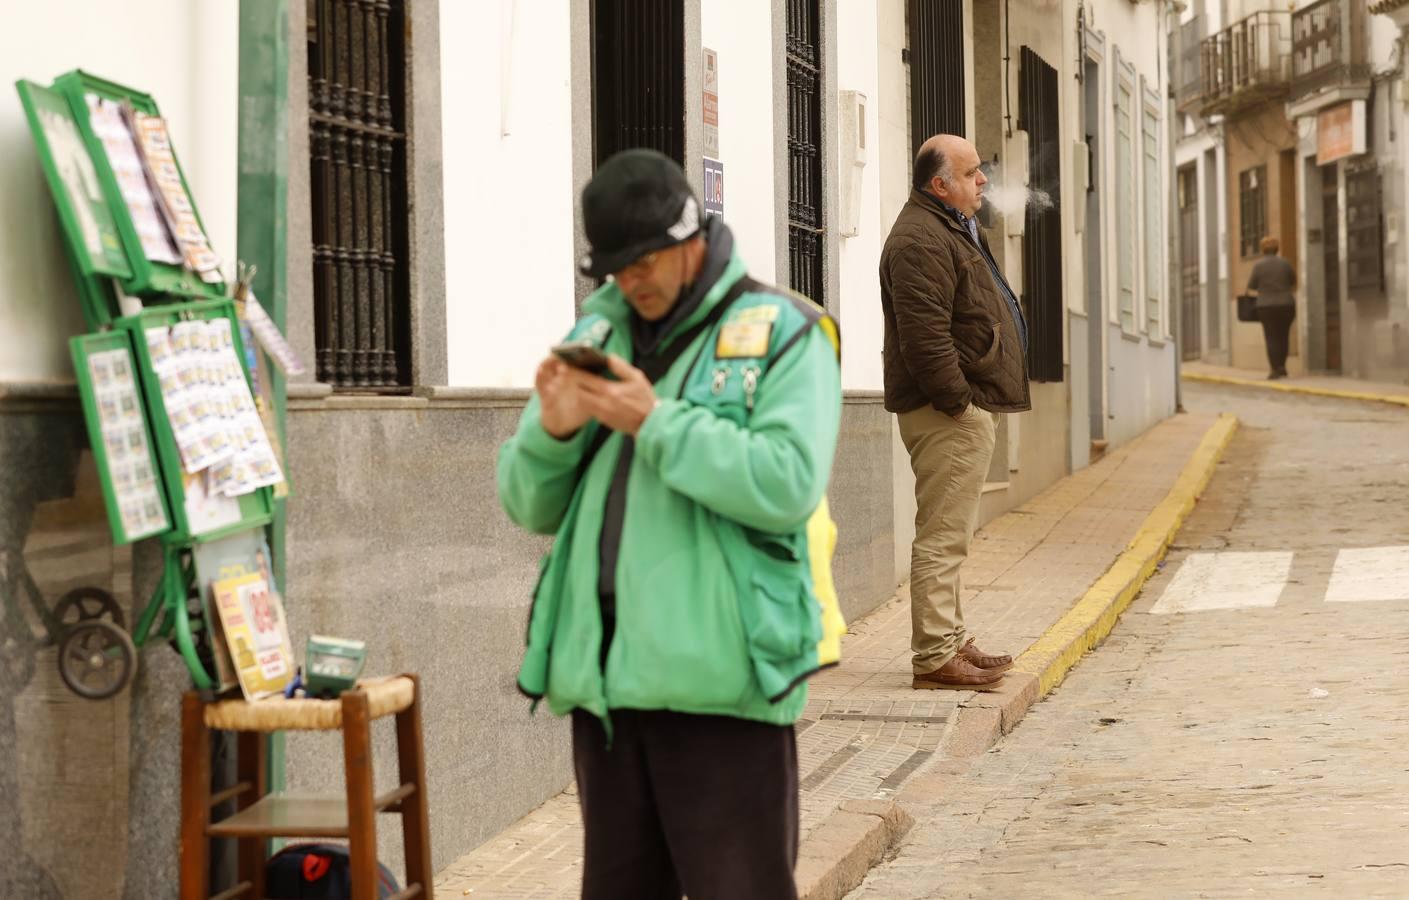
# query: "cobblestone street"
1243,730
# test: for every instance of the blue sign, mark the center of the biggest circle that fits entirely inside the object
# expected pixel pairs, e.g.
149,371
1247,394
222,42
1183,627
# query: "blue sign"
713,187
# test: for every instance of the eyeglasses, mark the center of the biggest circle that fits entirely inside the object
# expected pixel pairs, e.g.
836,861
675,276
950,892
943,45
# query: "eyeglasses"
638,268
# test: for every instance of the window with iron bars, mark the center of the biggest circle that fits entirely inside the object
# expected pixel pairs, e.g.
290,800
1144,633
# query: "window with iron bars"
936,54
357,143
1364,232
1039,109
638,77
806,224
1252,210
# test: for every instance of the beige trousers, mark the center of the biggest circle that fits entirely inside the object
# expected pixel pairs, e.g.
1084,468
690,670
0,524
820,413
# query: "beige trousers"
950,458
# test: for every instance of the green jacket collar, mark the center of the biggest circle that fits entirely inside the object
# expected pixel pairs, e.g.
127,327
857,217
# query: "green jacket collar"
608,301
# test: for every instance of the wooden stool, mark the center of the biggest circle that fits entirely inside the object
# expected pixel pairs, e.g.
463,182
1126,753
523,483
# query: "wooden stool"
261,815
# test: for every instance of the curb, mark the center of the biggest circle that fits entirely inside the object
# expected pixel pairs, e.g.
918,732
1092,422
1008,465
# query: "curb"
990,715
838,854
836,857
1338,394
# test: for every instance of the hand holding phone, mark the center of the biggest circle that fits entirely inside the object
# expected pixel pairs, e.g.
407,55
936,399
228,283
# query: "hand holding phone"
582,355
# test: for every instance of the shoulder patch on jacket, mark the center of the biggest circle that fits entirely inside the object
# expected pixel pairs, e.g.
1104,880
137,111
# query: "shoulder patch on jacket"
592,327
812,314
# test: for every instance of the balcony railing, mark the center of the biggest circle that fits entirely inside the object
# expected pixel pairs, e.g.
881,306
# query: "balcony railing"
1324,52
1247,63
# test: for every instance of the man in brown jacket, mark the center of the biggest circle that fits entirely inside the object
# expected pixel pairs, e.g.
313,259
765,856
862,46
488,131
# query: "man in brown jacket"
955,354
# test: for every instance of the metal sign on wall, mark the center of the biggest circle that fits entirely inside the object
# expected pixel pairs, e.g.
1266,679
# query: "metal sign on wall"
711,103
1340,132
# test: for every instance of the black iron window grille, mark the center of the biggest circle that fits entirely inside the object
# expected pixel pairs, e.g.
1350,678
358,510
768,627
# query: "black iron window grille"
638,77
1364,233
936,54
357,139
1252,210
1039,110
806,225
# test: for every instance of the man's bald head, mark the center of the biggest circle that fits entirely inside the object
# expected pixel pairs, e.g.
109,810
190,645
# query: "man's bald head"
947,166
933,158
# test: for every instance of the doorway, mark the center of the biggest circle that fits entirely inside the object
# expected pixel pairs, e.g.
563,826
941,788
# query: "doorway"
1190,336
1331,265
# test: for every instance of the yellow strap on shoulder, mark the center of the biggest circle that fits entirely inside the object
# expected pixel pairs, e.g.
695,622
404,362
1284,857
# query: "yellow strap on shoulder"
821,545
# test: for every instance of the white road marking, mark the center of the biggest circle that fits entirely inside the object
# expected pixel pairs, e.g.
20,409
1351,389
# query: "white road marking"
1370,573
1225,581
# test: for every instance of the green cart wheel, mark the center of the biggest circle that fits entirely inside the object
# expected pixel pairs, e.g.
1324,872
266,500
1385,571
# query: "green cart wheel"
96,659
88,604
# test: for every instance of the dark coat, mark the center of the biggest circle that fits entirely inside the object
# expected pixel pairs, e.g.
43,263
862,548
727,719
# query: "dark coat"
1274,281
950,338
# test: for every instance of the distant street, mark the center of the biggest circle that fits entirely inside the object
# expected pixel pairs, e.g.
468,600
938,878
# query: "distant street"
1245,729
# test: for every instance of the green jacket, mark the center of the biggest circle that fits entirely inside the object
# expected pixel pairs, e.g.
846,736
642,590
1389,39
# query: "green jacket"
715,612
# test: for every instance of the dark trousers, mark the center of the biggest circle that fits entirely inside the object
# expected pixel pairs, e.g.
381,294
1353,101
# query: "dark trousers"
1276,331
701,805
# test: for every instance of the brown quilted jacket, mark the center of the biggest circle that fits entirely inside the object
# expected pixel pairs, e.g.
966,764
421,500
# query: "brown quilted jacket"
950,338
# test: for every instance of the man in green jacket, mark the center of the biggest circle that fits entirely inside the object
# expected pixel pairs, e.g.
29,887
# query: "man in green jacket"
674,617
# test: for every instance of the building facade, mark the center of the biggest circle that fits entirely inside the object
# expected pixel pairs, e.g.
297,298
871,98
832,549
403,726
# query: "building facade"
410,181
1303,104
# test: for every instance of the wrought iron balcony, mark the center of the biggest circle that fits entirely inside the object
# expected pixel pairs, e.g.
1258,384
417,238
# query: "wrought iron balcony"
1328,47
1247,64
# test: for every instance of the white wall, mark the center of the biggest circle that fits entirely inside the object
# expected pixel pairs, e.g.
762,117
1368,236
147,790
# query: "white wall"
184,54
510,203
741,33
863,325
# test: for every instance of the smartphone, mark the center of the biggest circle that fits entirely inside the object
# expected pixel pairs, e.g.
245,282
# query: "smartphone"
582,355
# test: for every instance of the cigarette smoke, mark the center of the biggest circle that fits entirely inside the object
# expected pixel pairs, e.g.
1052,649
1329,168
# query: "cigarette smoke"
1008,197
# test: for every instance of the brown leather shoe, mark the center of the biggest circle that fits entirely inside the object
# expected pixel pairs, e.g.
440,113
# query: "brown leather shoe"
957,675
989,662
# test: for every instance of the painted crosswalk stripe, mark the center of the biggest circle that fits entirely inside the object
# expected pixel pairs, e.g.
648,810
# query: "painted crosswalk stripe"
1370,573
1207,581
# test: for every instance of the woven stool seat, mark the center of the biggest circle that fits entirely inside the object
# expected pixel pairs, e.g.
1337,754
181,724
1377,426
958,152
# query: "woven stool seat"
385,696
261,814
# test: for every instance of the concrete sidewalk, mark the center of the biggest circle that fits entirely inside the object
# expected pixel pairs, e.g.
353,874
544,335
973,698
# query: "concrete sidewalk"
1044,582
1317,385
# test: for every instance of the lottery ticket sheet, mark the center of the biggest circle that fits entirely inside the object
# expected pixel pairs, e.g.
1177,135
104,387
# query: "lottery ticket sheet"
124,435
125,158
208,403
175,203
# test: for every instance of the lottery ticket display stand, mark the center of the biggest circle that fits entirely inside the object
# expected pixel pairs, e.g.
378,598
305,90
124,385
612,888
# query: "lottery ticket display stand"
185,448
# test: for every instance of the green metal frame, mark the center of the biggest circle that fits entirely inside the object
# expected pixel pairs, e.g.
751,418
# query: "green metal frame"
148,279
54,104
255,509
169,600
262,227
81,347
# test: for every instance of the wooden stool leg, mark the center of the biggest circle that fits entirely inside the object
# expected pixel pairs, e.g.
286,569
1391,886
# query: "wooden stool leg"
253,768
415,809
195,799
361,811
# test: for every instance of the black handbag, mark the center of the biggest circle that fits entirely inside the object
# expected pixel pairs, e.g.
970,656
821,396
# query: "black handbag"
1247,308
